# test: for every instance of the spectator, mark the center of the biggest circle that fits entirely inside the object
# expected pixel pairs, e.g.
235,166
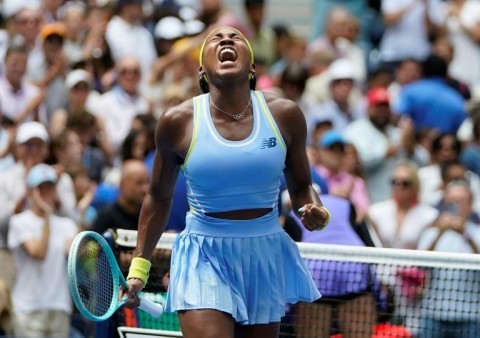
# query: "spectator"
126,36
263,38
135,145
408,27
23,22
341,31
398,223
80,96
66,151
40,241
292,85
380,144
294,54
124,212
97,56
21,100
50,10
408,70
461,26
73,15
122,103
50,72
85,190
339,108
31,149
470,155
7,145
430,102
443,48
446,308
97,151
317,84
445,148
340,183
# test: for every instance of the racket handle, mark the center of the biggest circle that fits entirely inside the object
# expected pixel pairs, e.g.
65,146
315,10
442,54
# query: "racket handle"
154,309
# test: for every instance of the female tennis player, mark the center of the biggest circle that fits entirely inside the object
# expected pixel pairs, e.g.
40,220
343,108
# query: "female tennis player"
233,267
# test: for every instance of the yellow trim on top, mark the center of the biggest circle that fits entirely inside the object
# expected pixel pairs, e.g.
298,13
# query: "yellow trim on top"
271,121
196,124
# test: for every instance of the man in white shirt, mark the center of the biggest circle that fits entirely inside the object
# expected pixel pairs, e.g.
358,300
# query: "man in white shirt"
20,100
123,102
126,35
31,149
379,143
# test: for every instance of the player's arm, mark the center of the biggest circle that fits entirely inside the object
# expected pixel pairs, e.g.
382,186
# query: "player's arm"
158,201
293,126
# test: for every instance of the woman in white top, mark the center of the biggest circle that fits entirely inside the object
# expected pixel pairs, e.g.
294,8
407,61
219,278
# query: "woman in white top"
398,221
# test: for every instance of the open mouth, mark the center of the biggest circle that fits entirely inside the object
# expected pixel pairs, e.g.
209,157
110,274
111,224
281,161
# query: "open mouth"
227,55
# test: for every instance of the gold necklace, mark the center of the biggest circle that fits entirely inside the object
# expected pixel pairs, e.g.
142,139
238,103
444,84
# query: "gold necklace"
238,116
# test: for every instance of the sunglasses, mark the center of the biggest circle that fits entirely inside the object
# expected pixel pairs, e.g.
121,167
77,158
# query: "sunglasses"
130,71
401,183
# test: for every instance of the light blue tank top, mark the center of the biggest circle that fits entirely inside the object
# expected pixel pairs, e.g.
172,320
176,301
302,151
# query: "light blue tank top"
224,175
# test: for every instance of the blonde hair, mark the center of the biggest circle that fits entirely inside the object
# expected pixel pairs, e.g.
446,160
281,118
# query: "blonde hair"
6,308
412,167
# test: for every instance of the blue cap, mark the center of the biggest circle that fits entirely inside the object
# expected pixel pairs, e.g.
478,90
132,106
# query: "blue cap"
39,174
331,137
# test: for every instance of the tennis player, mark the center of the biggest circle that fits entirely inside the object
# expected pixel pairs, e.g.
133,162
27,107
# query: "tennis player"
233,268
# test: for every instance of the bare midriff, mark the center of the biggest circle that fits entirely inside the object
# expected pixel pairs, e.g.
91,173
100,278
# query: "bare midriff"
240,214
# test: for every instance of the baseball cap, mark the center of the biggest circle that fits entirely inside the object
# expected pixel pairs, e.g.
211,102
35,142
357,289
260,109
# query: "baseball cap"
341,69
330,137
378,96
76,76
169,28
29,130
39,174
54,28
11,8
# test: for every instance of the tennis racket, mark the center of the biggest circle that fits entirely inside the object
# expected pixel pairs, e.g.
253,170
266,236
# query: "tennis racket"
94,279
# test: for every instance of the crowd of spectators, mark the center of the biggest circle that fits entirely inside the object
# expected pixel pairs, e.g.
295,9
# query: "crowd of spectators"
390,91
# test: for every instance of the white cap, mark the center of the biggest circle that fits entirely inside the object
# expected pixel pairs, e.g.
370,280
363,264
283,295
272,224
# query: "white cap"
341,69
29,130
76,76
12,7
169,28
194,27
39,174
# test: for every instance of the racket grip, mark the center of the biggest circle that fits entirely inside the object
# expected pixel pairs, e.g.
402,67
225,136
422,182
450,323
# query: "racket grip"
154,309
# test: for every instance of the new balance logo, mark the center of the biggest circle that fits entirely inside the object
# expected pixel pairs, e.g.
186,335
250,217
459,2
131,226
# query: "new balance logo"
269,142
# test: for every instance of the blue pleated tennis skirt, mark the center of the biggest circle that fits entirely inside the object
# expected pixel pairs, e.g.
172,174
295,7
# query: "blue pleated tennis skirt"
248,268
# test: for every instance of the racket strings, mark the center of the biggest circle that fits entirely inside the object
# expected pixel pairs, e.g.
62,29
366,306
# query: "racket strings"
94,277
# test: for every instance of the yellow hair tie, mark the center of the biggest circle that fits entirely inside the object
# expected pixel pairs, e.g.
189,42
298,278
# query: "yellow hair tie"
139,269
325,210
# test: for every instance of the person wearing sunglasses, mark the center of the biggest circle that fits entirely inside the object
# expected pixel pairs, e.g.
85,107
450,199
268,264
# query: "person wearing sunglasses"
397,223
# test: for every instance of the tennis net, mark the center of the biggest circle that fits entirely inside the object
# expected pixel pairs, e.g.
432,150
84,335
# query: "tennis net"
367,292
